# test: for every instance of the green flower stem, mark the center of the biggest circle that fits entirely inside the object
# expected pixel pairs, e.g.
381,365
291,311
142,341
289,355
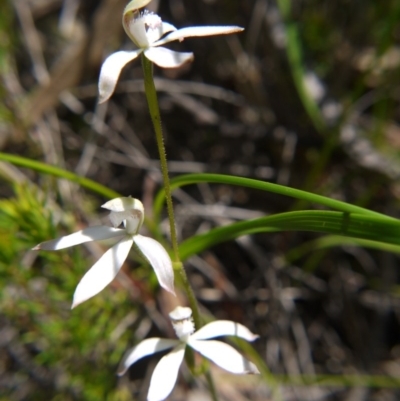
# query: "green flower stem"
211,386
190,294
152,102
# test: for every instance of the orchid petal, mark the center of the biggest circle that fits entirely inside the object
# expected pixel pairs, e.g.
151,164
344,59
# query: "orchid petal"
102,272
111,70
165,374
166,58
132,220
135,4
156,33
223,328
145,348
124,204
135,28
80,237
159,259
223,355
193,31
128,210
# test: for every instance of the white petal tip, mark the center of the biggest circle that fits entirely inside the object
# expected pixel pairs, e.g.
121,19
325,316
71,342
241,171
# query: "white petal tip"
104,96
234,29
80,298
253,370
75,304
45,246
167,285
103,99
170,290
77,300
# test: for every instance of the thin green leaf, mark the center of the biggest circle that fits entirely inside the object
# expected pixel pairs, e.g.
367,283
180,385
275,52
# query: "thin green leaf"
59,172
351,380
263,186
330,241
373,228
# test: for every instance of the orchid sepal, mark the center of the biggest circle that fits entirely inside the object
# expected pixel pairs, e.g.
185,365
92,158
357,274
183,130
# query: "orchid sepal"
111,70
197,31
223,355
80,237
166,372
102,272
147,347
221,328
159,259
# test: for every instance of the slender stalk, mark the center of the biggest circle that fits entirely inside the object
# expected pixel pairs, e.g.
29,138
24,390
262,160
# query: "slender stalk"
152,101
211,386
191,297
151,95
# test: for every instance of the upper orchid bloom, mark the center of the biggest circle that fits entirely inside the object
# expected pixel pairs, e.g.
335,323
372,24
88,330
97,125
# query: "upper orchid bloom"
166,372
130,212
147,31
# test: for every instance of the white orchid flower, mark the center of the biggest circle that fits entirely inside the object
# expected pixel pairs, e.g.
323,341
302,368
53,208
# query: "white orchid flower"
130,213
148,32
166,372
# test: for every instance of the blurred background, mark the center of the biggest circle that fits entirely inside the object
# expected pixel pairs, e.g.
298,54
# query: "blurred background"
307,96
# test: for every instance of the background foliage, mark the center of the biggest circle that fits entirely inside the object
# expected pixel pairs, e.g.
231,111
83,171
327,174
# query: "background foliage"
307,96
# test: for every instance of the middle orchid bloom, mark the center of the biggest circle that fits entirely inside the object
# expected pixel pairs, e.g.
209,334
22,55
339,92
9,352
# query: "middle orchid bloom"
166,372
147,31
130,213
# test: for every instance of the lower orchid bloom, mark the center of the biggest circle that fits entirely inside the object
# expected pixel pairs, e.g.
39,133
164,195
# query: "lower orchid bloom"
166,372
130,213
